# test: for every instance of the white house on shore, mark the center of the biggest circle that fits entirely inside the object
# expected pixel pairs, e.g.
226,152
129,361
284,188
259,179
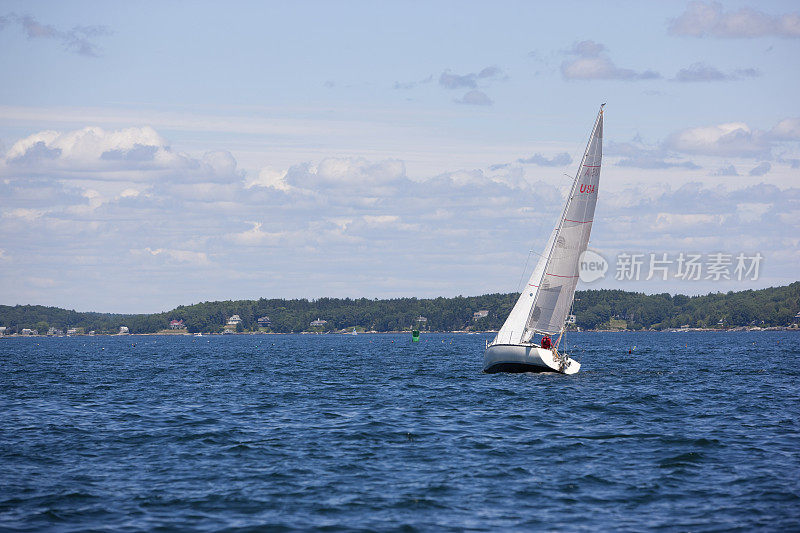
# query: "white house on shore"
477,315
318,323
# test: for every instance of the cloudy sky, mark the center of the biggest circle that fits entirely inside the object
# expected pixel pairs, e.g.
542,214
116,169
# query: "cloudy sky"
165,153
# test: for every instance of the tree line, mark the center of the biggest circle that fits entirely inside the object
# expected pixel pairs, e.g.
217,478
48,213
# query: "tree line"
775,306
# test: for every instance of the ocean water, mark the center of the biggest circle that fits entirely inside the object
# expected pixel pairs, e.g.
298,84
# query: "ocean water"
689,432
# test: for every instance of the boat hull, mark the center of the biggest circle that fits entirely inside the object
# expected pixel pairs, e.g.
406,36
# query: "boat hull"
524,358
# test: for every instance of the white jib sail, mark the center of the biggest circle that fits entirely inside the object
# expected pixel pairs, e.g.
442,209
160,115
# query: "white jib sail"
514,327
545,302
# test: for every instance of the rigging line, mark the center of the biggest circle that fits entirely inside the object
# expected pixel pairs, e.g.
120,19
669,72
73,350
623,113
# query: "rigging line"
531,251
524,270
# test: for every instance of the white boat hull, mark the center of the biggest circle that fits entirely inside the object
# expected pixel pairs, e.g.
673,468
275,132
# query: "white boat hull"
524,358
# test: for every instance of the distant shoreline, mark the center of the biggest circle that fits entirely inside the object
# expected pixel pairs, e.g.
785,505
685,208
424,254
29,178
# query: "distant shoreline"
594,310
461,332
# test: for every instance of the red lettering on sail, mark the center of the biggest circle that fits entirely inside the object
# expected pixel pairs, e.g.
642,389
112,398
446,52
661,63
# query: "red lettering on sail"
588,189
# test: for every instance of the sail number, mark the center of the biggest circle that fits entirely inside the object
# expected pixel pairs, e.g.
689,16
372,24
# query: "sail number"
588,189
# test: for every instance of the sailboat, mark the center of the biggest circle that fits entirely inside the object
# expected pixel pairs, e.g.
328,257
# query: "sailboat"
523,343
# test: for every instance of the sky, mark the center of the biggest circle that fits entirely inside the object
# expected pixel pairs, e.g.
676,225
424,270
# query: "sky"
154,154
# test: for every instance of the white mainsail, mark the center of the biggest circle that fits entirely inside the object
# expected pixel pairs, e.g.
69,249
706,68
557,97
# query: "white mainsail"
545,301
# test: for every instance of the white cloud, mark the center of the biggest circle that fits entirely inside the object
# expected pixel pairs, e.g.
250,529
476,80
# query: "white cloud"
709,19
136,154
334,220
24,213
380,220
256,236
637,155
88,144
752,211
730,139
269,177
345,172
93,201
180,256
786,130
681,222
700,72
559,160
696,218
592,63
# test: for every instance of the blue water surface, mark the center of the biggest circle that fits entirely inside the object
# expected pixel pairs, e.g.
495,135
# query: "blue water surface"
689,432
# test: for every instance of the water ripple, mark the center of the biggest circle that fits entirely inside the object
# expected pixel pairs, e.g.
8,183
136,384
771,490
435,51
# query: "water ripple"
373,432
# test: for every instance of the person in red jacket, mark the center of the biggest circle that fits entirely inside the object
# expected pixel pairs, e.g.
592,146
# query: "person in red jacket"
546,342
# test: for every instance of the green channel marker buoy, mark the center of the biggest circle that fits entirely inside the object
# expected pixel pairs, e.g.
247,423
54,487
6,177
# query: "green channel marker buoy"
415,335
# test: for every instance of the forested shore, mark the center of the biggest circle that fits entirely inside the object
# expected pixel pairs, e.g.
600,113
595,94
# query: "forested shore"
593,309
